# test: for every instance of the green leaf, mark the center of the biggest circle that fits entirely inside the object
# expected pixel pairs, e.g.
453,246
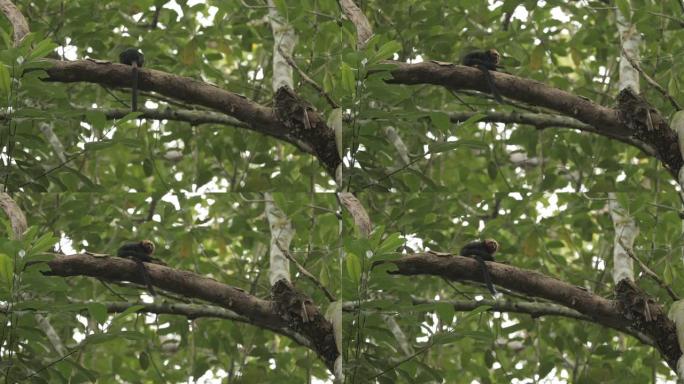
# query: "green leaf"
129,117
148,167
132,335
668,274
625,8
98,312
472,120
450,145
347,76
44,243
5,82
445,312
440,120
353,267
385,52
6,271
144,360
128,311
391,243
41,49
99,338
492,169
672,87
96,145
537,58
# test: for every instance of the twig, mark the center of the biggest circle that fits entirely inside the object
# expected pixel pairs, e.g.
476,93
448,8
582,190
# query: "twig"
307,78
51,364
648,271
306,273
655,85
153,206
402,361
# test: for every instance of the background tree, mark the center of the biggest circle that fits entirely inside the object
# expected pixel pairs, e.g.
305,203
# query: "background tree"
442,325
467,168
207,114
83,176
186,331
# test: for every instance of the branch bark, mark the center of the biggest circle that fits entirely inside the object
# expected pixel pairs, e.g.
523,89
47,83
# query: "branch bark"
257,117
618,314
634,118
256,311
529,91
19,24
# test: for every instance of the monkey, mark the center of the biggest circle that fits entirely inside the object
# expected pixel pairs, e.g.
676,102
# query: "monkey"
140,252
485,61
135,59
482,250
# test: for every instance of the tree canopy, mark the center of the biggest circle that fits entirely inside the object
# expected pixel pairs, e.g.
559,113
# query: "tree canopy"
309,171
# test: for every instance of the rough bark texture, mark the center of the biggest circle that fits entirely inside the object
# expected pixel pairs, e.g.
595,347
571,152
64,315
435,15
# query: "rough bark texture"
304,123
633,308
516,88
529,282
305,318
649,317
261,313
319,141
634,121
648,125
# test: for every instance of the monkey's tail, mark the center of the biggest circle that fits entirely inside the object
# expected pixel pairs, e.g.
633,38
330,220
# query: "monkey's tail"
486,275
146,277
134,88
490,83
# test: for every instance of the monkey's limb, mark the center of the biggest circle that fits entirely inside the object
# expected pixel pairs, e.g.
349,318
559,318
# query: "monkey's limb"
490,83
486,275
146,277
134,86
136,59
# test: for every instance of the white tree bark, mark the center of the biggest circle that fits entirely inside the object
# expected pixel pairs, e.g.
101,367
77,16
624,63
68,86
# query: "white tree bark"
281,234
625,230
285,38
625,227
630,40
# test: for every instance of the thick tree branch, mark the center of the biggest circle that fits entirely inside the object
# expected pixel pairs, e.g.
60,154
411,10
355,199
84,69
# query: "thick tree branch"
364,31
532,92
634,119
195,311
256,311
528,282
534,309
257,117
545,120
19,24
610,313
15,214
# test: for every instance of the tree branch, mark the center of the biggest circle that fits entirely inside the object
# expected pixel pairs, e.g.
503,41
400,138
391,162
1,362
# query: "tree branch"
257,117
610,313
532,92
633,118
256,311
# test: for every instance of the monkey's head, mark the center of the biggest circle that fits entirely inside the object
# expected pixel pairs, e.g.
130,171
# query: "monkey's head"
147,246
131,55
491,245
494,55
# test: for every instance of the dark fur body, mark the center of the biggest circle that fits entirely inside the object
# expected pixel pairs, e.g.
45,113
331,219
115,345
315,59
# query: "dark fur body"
482,250
486,61
140,252
136,59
